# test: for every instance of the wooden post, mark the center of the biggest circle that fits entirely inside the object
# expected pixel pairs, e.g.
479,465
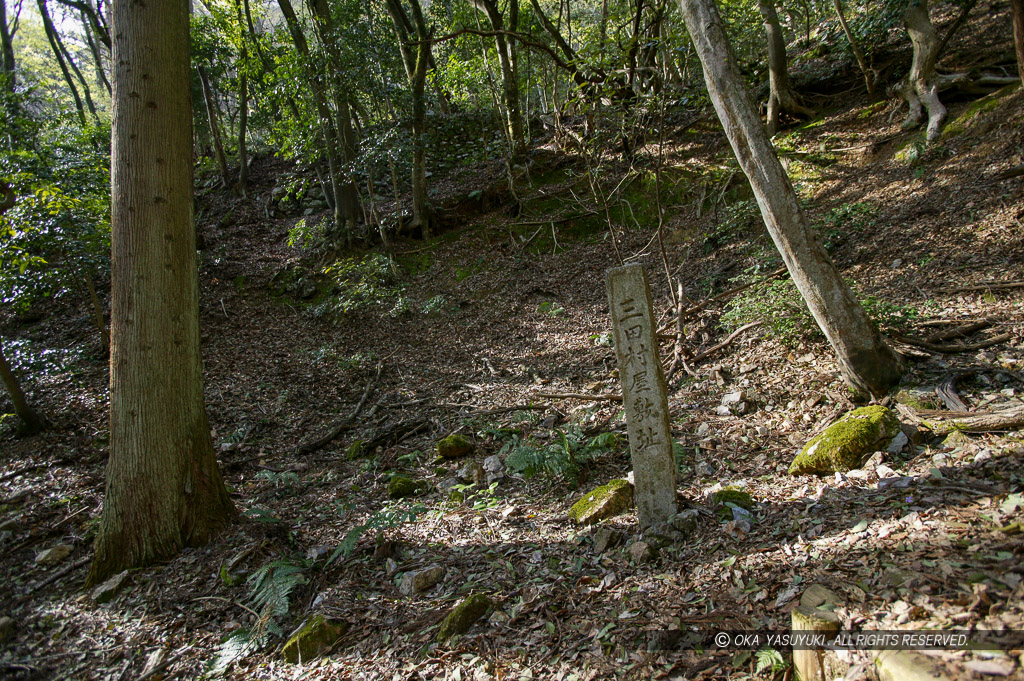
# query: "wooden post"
644,394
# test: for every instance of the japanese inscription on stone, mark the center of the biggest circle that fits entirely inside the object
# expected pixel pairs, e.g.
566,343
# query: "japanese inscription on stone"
644,395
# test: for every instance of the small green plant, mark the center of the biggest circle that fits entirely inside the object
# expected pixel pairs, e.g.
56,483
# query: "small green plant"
362,283
307,237
551,309
480,499
390,516
279,479
435,305
769,659
565,458
270,592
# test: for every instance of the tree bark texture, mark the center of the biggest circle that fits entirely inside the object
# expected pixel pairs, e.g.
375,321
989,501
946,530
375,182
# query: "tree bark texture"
1018,34
781,99
920,89
866,362
164,490
7,67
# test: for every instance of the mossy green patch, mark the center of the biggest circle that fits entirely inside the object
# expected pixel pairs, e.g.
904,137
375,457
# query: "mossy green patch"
918,398
731,495
401,487
604,502
355,451
454,446
843,445
313,639
462,616
973,113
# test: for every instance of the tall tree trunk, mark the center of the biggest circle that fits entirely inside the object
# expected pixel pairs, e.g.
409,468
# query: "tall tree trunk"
781,99
867,364
1018,34
509,76
31,421
326,120
58,53
97,54
214,120
416,59
869,80
920,87
164,491
7,68
242,185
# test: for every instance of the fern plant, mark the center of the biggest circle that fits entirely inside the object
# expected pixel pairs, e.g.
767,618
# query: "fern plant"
388,517
566,458
769,659
270,592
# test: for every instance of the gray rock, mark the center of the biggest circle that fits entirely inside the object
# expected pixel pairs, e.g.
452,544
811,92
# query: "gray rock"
7,628
900,482
723,410
494,468
605,538
420,580
106,591
641,551
703,429
735,397
472,473
898,443
705,469
54,555
685,523
742,408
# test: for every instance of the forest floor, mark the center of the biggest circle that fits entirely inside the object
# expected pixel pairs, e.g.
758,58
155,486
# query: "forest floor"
472,332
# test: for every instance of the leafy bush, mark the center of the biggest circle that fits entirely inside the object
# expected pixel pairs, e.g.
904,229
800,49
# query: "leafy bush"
362,283
566,458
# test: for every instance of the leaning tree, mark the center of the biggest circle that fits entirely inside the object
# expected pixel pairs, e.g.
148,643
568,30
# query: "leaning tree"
867,364
164,490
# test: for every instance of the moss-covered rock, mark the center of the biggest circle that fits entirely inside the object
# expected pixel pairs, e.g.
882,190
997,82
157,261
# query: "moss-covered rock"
919,398
313,638
462,616
454,446
355,451
604,502
843,445
730,495
972,115
401,487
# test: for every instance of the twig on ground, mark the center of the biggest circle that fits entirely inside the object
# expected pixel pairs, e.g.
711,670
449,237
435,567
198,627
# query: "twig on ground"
731,337
953,349
580,396
60,573
345,423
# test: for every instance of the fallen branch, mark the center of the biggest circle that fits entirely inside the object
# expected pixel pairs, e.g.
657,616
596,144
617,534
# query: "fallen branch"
947,393
989,286
982,423
960,331
60,573
1009,173
344,424
953,349
555,219
608,397
732,336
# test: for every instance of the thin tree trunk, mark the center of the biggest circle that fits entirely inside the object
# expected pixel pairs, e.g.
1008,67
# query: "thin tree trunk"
509,77
1018,34
97,55
920,89
213,117
59,56
869,80
7,66
78,73
31,422
164,491
97,312
243,123
781,99
867,364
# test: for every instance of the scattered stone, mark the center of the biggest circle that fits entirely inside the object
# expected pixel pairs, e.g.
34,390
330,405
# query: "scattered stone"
401,487
605,538
685,523
900,482
390,567
454,446
723,501
741,408
313,638
884,471
153,661
983,456
956,439
105,592
703,429
723,410
762,431
897,444
705,469
54,555
7,628
604,502
462,616
735,397
720,375
494,468
641,551
471,473
315,553
420,580
843,445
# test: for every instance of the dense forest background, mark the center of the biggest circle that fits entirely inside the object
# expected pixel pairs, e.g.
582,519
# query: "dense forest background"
401,214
